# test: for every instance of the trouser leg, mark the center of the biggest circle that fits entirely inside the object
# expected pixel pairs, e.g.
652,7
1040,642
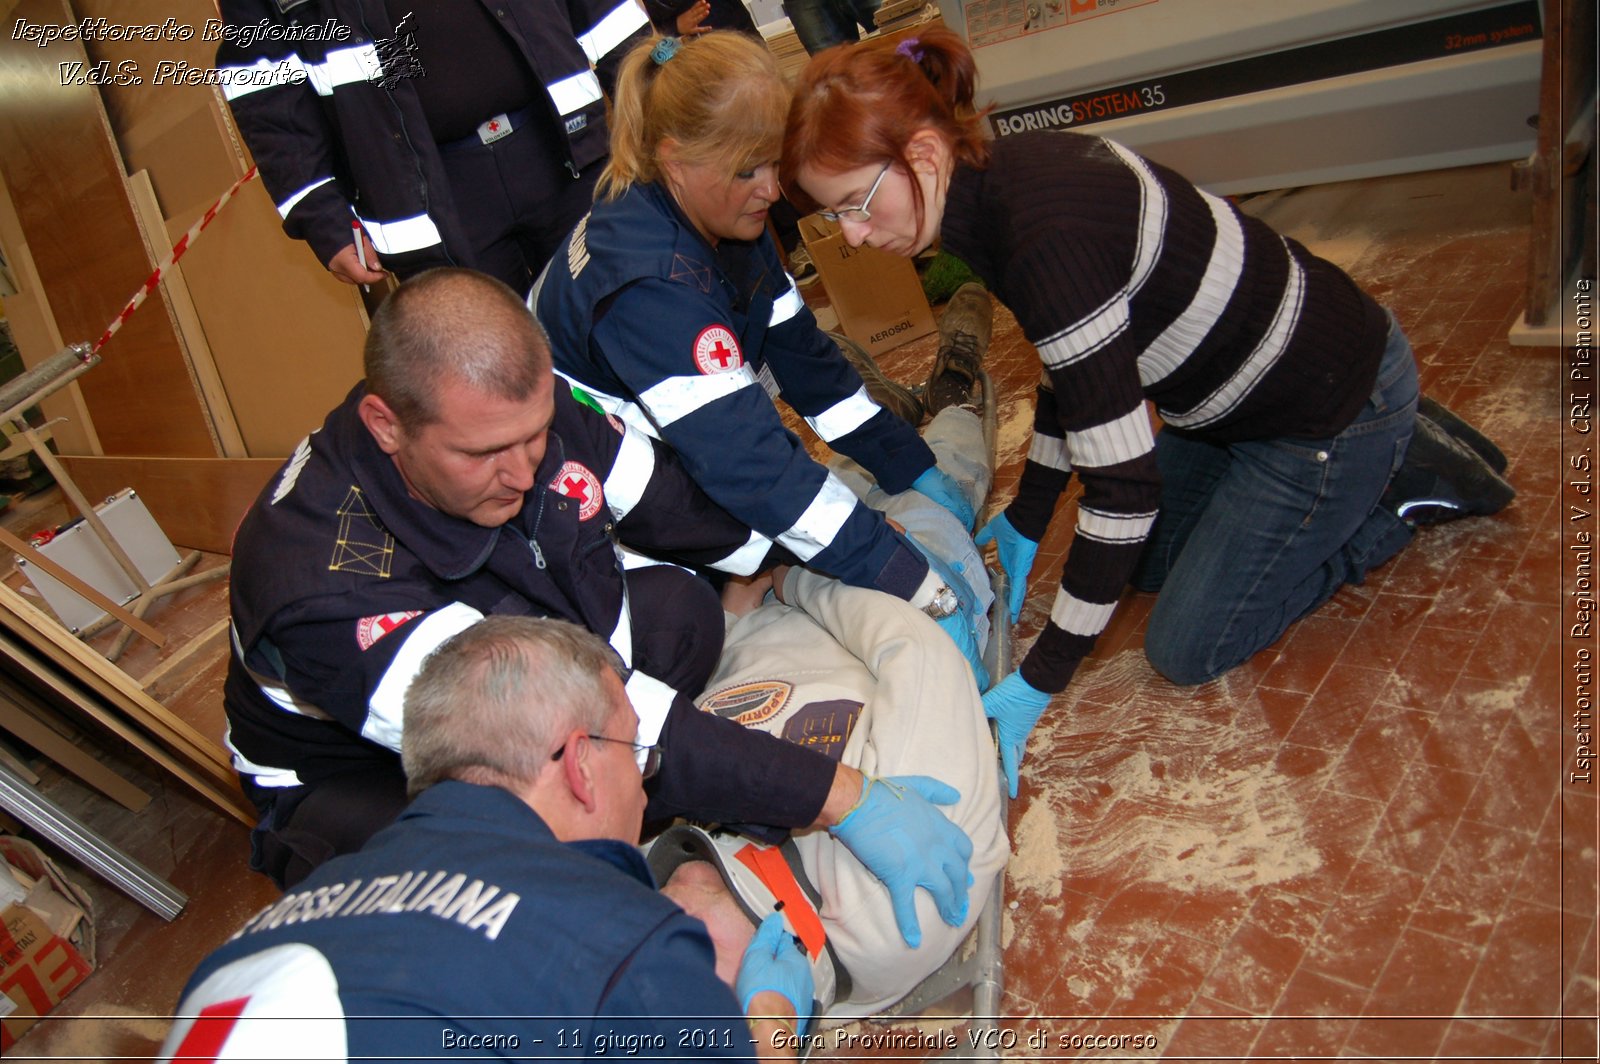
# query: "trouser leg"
818,24
677,626
862,12
334,816
1284,525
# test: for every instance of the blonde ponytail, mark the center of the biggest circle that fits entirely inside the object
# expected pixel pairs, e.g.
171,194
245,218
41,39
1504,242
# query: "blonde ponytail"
718,96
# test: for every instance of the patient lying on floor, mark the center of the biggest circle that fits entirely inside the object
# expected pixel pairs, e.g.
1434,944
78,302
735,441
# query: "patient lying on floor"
870,680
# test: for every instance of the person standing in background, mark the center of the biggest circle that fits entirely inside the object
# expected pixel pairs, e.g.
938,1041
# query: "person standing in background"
451,133
824,23
685,18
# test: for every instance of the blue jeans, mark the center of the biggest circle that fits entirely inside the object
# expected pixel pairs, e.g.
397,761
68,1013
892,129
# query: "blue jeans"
824,23
1253,536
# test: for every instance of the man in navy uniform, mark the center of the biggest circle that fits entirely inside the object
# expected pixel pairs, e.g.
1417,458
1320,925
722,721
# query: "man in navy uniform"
458,481
506,912
455,133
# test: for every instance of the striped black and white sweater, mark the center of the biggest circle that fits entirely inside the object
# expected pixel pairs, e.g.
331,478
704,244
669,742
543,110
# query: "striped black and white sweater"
1134,285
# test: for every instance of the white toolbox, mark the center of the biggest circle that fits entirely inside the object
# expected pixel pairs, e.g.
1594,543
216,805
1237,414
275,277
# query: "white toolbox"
79,551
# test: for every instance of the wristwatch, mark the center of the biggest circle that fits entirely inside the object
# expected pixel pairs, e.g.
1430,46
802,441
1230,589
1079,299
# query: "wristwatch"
944,603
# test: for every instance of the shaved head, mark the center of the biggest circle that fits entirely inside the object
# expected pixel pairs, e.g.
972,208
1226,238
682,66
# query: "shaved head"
452,324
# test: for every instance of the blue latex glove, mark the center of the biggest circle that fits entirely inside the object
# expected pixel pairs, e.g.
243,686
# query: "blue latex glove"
962,625
1015,706
1016,557
774,961
936,484
903,840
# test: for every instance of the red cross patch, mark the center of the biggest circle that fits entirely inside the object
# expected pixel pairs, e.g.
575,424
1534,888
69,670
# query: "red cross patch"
716,350
371,629
576,482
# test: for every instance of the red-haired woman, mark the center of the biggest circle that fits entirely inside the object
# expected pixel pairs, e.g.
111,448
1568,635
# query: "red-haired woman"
1288,396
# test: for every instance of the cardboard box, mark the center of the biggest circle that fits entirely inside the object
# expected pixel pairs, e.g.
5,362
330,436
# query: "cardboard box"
877,296
37,969
46,941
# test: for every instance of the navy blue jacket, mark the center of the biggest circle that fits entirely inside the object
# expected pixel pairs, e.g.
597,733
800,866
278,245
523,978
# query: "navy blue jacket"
466,927
691,345
342,583
336,127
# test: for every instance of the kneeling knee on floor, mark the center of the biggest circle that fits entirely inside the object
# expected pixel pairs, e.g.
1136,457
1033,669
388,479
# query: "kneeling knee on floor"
1186,666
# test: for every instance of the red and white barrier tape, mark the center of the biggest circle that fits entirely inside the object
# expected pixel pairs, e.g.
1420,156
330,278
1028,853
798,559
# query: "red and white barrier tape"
177,253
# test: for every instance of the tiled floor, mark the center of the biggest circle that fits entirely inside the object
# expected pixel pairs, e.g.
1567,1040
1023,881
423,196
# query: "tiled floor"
1358,844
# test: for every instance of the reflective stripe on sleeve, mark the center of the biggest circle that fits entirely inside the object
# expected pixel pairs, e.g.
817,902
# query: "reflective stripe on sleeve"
238,81
652,701
621,409
261,775
814,532
343,66
630,474
612,30
289,204
574,93
405,234
786,306
621,637
845,416
743,562
386,708
678,397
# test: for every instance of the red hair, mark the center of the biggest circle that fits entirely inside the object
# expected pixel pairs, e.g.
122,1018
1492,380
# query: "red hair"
857,105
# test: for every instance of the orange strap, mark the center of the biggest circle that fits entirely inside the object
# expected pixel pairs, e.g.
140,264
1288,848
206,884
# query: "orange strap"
770,867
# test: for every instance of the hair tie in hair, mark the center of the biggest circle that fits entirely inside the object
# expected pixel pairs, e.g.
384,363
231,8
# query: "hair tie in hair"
909,49
665,49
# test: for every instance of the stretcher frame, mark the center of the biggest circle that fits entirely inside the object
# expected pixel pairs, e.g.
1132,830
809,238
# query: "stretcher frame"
980,966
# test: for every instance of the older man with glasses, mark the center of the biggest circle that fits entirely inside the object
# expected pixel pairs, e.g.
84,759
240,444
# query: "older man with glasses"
505,914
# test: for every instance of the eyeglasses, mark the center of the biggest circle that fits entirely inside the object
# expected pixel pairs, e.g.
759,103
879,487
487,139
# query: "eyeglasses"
858,213
648,755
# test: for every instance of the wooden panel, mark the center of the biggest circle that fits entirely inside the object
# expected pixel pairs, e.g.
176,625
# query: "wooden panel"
176,290
34,640
286,337
61,686
282,371
171,130
66,180
198,502
33,330
30,729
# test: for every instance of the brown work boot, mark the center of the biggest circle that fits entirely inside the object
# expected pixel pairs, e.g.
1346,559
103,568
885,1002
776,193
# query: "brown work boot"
893,397
963,340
